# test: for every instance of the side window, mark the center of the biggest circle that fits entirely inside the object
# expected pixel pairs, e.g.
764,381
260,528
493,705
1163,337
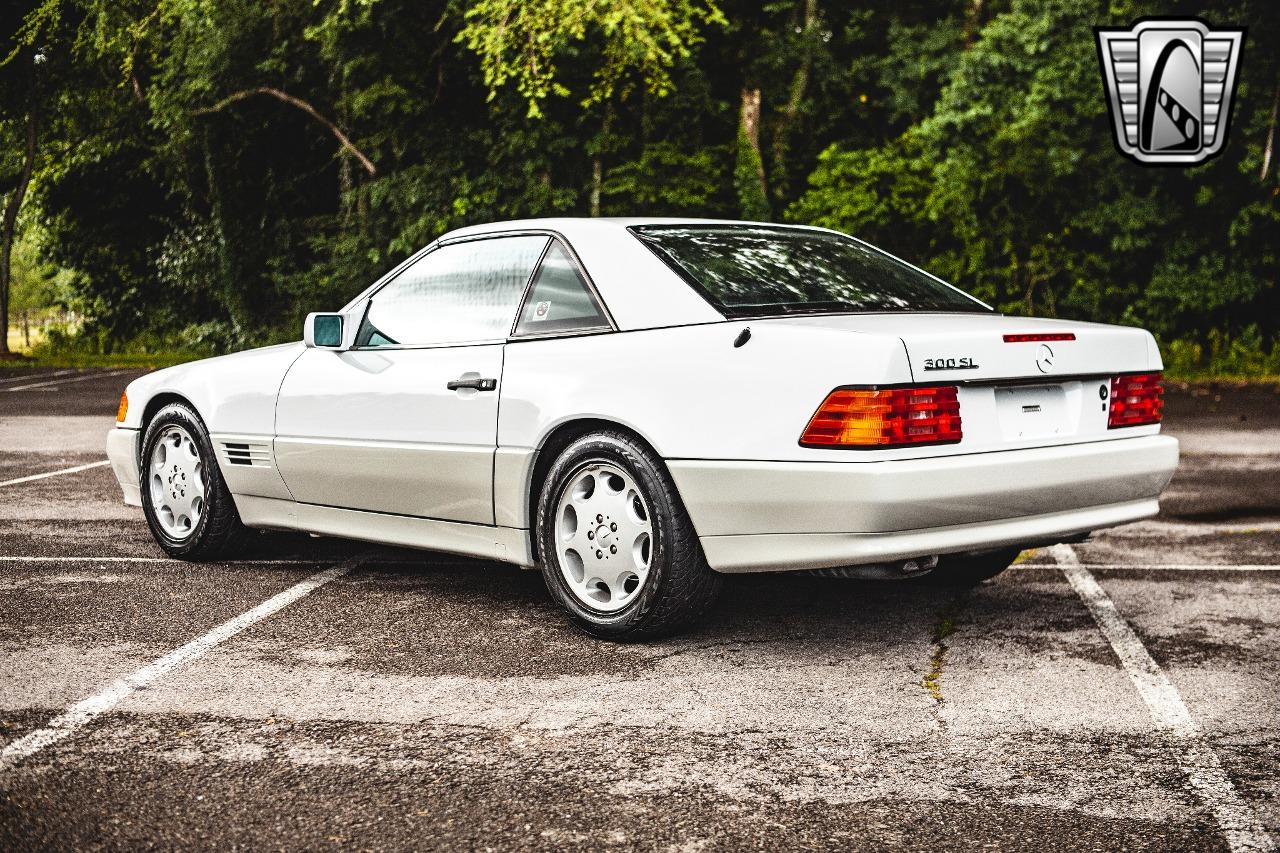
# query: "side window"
458,293
559,300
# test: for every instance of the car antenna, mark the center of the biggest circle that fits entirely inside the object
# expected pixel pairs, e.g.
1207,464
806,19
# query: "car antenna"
743,337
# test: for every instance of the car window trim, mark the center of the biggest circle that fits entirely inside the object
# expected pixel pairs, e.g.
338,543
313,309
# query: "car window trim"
417,256
370,292
609,325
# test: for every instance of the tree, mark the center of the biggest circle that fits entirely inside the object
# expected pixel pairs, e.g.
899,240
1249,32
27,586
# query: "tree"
20,109
210,170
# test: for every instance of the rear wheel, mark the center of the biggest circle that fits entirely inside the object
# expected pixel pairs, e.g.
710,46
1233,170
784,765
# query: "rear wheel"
187,505
617,548
963,570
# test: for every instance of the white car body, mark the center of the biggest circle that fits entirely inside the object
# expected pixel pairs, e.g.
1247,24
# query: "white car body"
369,444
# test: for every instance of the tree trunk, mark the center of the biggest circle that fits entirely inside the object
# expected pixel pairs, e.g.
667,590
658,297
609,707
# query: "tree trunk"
751,124
972,21
9,224
597,161
1271,136
26,326
799,85
597,179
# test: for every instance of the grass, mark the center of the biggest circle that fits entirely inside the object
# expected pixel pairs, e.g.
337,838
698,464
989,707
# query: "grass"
1205,377
932,681
18,341
87,360
38,356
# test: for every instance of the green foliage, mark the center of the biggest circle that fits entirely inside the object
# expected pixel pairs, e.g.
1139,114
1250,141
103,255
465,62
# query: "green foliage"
666,181
202,182
874,193
1008,185
38,285
1223,356
522,40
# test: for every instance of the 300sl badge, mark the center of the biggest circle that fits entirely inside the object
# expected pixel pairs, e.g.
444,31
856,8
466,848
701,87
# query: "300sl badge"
950,364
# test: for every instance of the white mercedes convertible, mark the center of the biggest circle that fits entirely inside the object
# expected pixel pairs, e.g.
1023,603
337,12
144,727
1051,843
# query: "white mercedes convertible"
638,406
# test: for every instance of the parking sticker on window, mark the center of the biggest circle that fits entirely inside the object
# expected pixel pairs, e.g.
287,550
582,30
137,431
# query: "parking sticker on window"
541,310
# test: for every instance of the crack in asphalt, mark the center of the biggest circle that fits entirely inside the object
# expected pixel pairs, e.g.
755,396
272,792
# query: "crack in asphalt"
942,630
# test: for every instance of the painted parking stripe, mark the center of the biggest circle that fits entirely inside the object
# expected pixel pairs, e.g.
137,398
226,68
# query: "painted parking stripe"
1243,831
1163,567
38,377
46,474
431,558
115,559
85,711
64,381
427,559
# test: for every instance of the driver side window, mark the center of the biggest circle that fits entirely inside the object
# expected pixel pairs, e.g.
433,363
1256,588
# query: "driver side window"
459,293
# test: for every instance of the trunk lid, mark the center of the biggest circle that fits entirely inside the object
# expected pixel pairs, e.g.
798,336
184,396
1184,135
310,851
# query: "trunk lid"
950,348
1012,394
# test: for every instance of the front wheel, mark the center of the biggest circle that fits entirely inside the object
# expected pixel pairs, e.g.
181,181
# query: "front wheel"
187,505
617,548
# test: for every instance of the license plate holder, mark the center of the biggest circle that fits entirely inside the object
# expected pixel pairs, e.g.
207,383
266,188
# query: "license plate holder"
1032,411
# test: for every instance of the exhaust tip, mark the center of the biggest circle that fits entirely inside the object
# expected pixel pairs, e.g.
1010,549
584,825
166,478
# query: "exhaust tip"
895,571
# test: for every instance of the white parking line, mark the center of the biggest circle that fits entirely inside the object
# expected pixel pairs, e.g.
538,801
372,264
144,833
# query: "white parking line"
53,382
11,379
428,560
1163,567
1198,761
7,559
74,470
86,710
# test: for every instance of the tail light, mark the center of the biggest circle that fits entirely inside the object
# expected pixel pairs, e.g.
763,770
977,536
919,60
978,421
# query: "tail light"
1136,399
124,408
887,417
1039,336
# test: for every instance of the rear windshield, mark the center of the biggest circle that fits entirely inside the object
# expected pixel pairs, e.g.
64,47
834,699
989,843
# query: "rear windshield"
755,271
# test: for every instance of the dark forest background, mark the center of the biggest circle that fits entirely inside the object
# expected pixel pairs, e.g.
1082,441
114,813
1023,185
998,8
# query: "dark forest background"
195,176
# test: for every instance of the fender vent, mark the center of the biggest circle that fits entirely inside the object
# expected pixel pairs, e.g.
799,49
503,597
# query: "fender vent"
248,454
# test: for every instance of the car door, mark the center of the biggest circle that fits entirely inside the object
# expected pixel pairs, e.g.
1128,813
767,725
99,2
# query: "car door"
405,421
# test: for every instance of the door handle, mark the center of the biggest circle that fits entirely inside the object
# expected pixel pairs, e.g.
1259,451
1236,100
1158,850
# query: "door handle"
476,384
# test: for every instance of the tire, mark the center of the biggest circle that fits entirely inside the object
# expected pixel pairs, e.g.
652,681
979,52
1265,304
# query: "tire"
187,488
968,570
592,487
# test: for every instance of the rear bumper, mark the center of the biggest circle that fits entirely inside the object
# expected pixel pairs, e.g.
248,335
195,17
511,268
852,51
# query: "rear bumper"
122,450
767,516
773,552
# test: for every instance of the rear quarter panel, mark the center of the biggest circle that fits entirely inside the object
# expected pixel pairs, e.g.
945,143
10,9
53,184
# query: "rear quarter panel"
688,391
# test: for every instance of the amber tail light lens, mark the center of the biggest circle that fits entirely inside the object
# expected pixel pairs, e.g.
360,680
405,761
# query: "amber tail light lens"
124,408
886,417
1136,399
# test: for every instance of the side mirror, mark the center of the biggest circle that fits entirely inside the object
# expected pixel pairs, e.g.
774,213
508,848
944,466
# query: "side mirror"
324,331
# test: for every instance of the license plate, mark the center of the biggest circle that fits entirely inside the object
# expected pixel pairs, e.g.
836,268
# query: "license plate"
1032,411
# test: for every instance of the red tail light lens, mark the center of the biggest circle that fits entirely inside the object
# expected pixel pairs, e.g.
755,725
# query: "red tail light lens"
1136,399
889,417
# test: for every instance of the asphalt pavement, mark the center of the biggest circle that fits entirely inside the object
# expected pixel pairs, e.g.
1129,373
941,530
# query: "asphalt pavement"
320,694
